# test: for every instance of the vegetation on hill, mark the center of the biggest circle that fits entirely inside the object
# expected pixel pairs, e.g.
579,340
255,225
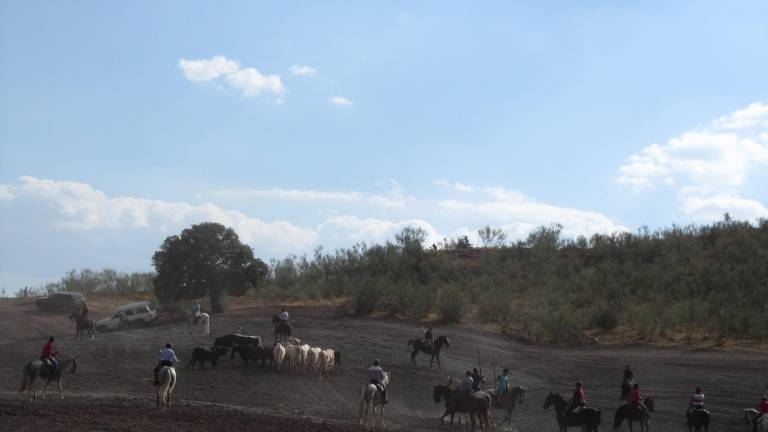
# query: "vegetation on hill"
708,281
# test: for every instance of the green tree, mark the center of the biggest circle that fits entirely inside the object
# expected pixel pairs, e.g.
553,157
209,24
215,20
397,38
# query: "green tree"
206,259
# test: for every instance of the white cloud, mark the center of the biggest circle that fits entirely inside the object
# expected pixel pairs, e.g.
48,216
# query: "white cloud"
459,186
253,83
249,81
394,197
303,70
519,214
208,69
293,194
82,206
347,230
709,168
5,193
339,100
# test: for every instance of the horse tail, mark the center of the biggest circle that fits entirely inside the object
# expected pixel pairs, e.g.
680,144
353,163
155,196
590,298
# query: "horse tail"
360,405
24,378
617,418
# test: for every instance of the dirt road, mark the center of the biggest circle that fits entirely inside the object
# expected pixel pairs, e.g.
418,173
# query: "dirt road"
116,371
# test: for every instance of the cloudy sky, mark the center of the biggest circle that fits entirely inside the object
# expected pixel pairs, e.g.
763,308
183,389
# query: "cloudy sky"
302,124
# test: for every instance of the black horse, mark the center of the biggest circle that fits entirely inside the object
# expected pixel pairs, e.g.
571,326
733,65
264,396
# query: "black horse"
433,350
477,404
633,413
698,419
588,418
509,400
282,328
83,325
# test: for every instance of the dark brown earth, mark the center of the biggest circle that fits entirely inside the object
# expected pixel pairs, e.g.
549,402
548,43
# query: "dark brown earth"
112,391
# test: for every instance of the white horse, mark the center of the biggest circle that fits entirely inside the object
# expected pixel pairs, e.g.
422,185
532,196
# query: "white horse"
167,377
203,320
371,396
36,368
278,353
762,423
313,360
303,358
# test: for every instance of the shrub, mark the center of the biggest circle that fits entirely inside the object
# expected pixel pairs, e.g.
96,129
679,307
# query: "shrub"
605,319
452,303
367,298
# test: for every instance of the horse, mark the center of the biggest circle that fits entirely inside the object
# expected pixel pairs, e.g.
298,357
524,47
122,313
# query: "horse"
626,388
589,418
38,368
476,405
433,350
371,395
167,378
203,319
698,419
282,328
633,414
278,353
751,415
82,326
509,400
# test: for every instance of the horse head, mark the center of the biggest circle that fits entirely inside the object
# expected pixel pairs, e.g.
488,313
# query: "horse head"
522,392
648,402
549,400
385,380
442,340
275,319
439,392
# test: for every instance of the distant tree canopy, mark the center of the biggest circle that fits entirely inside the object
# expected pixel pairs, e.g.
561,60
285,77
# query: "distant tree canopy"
107,282
207,259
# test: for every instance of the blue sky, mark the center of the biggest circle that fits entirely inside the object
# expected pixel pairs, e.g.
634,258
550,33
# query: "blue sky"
326,123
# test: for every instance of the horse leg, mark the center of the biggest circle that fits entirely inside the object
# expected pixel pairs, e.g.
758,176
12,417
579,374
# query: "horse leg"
413,358
47,383
61,390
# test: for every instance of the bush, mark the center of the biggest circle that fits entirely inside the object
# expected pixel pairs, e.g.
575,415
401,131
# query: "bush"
560,326
452,303
605,319
367,298
422,300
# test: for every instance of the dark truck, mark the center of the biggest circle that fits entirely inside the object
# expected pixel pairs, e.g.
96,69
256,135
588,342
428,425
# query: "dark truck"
61,301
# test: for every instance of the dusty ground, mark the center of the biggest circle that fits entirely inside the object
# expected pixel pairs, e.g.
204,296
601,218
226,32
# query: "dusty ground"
112,388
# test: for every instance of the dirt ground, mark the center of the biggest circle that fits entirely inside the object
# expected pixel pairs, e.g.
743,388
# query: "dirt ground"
112,389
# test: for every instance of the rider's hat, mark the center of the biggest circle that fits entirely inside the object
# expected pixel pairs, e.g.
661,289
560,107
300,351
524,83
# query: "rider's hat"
168,345
579,384
376,361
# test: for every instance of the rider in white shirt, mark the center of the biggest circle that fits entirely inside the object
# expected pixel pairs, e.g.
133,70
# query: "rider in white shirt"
376,376
167,358
283,315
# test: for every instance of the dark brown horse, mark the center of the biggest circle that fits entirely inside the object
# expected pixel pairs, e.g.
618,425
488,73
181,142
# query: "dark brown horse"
83,326
509,400
433,350
587,418
632,414
477,405
698,420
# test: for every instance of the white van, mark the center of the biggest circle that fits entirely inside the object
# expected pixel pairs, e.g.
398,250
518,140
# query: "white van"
127,315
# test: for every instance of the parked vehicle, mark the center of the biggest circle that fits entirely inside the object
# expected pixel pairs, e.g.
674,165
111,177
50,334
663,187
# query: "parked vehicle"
61,301
133,314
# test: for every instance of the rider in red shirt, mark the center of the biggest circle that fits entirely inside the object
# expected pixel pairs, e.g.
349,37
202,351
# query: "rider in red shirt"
634,395
577,401
49,354
763,407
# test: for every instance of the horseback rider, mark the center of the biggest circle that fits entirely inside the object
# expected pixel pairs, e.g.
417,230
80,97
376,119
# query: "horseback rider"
375,377
635,399
84,312
284,317
48,356
428,338
762,410
476,380
196,311
167,358
467,384
628,375
696,401
577,400
502,385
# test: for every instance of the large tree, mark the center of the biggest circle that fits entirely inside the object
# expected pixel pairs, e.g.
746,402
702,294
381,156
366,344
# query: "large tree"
206,259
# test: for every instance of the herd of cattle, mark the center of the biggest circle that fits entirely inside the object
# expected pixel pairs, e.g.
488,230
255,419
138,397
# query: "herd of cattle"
290,354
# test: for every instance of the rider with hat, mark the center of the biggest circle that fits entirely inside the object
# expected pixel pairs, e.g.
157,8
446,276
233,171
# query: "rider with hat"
167,358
